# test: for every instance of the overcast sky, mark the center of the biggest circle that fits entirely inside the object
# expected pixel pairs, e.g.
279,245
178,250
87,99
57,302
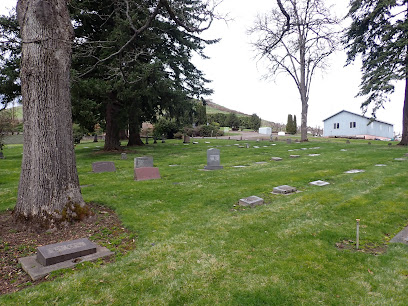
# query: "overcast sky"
237,78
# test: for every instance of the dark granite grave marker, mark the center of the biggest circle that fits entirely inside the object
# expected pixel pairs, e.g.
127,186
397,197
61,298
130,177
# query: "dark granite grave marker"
186,139
59,252
99,167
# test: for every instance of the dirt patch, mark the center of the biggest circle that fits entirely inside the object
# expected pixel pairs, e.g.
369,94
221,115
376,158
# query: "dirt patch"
369,248
104,228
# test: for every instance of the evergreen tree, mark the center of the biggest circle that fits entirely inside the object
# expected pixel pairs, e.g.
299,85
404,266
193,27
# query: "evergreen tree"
289,125
255,122
294,125
378,33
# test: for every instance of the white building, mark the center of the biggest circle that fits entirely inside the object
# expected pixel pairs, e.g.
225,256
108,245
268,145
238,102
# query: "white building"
265,130
348,124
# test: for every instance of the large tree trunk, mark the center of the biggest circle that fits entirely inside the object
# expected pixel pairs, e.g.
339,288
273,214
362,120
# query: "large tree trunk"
303,89
112,141
134,129
404,139
49,191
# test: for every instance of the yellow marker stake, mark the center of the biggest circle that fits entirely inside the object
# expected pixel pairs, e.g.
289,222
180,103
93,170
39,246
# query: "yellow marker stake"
358,232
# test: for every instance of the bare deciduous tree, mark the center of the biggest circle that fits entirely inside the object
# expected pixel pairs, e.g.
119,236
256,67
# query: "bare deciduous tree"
296,38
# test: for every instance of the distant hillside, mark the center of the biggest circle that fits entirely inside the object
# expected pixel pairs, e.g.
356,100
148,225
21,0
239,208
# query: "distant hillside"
213,108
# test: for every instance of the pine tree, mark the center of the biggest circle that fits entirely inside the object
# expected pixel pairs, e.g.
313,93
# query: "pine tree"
378,33
294,125
289,125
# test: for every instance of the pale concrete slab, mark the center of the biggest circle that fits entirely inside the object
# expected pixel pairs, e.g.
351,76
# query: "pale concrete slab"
251,201
354,171
319,183
284,189
401,237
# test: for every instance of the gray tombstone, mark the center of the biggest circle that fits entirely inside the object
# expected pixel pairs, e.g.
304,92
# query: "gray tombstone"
213,160
251,201
276,158
123,156
99,167
95,138
143,162
186,139
284,189
163,138
288,141
1,155
347,141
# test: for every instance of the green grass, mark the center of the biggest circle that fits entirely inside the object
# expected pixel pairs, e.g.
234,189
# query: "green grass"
196,247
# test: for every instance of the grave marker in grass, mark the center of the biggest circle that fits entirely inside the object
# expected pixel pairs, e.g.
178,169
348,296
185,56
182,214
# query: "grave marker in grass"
213,160
100,167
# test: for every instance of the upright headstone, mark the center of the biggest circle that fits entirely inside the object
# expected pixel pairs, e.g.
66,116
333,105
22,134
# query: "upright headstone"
163,138
1,155
123,156
99,167
213,160
347,141
186,139
95,138
143,162
288,141
144,169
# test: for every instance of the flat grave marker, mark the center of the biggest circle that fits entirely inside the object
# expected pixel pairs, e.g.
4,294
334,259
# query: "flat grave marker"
294,156
354,171
61,256
314,154
319,183
275,158
400,159
251,201
54,253
381,165
103,166
284,189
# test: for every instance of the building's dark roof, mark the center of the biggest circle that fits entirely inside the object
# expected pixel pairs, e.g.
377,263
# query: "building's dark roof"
357,115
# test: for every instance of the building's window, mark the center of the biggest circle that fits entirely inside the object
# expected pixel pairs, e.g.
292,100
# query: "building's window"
352,125
336,125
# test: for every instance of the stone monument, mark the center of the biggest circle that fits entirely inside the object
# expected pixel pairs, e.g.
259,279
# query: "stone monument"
213,160
144,170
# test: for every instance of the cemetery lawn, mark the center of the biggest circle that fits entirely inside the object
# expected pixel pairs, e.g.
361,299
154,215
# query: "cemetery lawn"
194,245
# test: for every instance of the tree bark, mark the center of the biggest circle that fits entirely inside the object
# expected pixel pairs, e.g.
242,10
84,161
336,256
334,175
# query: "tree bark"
134,129
49,191
303,88
404,137
112,141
